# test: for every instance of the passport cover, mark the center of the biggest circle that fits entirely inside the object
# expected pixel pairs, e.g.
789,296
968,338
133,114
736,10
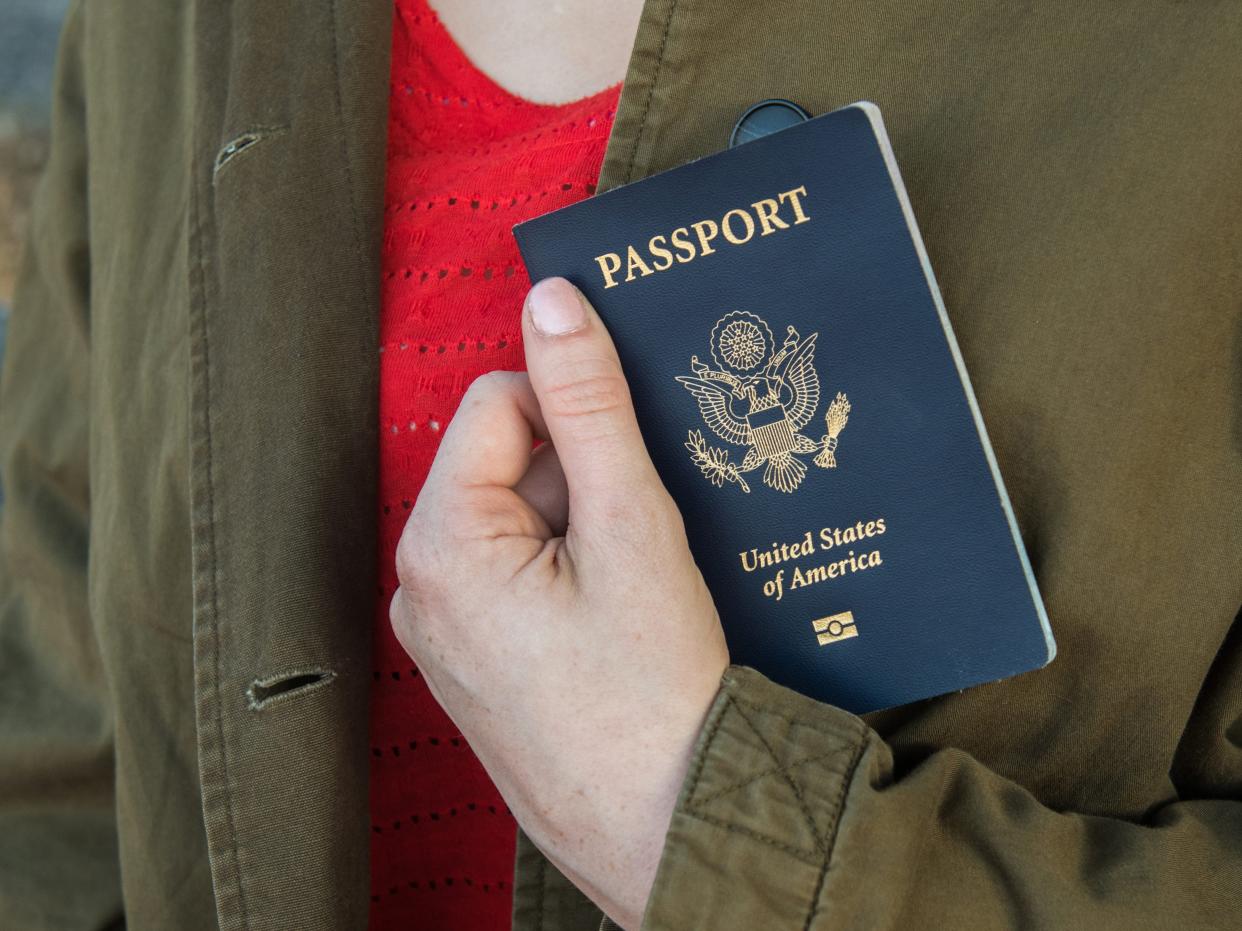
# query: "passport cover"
803,398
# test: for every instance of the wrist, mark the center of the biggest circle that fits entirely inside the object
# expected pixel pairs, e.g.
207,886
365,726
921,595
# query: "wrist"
606,830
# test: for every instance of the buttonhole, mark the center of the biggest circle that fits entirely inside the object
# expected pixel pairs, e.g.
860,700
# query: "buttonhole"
235,147
271,689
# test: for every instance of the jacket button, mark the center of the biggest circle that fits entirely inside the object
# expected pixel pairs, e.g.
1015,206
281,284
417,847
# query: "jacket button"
764,117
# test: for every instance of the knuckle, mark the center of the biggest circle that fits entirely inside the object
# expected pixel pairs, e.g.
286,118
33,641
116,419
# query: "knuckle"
483,392
489,386
594,389
398,615
409,622
415,556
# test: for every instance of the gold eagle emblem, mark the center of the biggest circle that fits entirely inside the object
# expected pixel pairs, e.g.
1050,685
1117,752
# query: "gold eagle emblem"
760,398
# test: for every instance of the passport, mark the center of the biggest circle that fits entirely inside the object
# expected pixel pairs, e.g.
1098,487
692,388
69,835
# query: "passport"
801,393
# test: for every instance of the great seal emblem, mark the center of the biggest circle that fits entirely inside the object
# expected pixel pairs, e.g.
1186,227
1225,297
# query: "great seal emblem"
761,398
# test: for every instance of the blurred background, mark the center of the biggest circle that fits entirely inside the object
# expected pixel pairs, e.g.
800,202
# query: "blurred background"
28,33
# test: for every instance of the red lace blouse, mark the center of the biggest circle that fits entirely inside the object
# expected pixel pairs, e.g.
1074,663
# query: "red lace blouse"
466,160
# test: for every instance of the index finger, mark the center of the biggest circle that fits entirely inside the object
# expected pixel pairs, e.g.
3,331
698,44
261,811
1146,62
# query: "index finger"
489,440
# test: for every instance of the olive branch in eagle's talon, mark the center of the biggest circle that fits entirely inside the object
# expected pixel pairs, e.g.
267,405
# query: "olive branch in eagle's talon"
713,463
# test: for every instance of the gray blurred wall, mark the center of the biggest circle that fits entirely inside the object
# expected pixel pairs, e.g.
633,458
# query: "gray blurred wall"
28,33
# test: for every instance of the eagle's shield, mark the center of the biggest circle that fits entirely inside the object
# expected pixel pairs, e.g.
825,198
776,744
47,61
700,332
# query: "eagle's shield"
770,432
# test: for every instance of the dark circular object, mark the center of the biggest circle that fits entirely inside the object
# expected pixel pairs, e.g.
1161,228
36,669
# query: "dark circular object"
765,117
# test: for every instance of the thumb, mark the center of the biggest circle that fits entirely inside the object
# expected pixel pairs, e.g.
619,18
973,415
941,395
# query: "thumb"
577,378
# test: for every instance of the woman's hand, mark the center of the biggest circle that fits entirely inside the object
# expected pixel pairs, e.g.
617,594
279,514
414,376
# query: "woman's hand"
551,602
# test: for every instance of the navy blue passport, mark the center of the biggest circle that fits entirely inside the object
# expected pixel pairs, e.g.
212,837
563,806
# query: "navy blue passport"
803,398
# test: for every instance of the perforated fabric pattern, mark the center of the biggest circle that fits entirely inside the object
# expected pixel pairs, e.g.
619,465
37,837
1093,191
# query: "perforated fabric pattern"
466,161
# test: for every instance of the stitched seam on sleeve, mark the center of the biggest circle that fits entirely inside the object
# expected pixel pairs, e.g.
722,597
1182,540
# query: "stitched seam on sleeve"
655,78
846,778
852,733
771,772
806,856
820,842
707,746
839,804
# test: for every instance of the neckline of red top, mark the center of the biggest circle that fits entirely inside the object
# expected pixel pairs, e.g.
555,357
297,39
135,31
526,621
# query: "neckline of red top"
470,79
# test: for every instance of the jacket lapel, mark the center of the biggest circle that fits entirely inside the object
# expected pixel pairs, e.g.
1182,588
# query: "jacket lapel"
287,157
287,153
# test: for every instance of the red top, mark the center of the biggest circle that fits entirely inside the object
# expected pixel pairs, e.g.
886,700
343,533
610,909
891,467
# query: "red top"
466,160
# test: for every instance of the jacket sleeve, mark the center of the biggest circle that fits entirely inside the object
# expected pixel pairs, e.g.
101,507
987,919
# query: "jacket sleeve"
791,818
58,850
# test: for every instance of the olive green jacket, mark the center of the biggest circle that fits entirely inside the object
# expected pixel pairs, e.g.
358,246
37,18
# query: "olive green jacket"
188,429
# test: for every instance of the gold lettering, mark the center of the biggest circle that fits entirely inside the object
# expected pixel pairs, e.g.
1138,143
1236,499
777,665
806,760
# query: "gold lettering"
728,231
797,204
609,264
705,238
683,245
687,243
767,210
634,260
660,253
827,537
